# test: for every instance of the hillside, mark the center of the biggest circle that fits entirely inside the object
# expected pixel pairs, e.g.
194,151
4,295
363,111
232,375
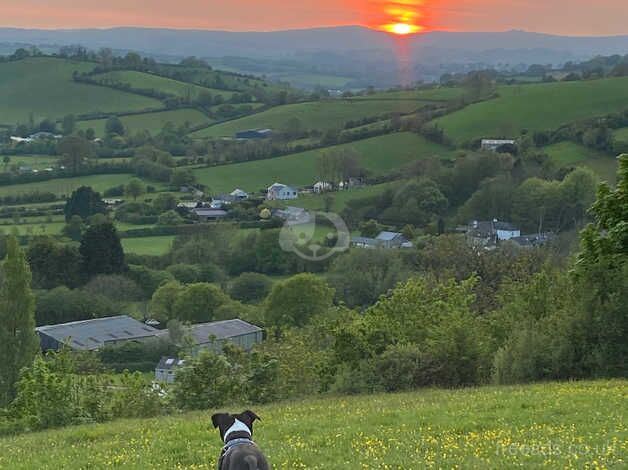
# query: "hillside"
544,106
320,115
559,425
43,87
572,154
379,155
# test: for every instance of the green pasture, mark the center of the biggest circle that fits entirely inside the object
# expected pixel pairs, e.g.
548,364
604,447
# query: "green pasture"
42,87
428,94
146,81
571,425
322,115
154,246
379,155
543,106
151,122
573,154
65,186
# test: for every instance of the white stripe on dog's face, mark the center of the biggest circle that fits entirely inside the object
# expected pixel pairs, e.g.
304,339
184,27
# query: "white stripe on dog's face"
237,426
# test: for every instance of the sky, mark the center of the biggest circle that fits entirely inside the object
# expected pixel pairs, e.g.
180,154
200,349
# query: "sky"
570,17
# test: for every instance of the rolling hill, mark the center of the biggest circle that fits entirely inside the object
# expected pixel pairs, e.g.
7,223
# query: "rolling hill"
43,87
550,425
572,154
379,155
544,106
142,80
151,122
321,115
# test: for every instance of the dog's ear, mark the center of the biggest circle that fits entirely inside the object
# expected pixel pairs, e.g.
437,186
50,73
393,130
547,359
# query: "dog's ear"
220,420
251,415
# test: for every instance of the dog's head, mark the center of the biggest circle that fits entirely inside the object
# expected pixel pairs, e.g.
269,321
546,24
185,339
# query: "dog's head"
231,424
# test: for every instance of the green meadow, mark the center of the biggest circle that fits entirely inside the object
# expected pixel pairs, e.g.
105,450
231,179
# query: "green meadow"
151,122
543,106
428,94
573,154
321,115
65,186
316,202
379,155
154,246
142,80
43,87
621,134
571,425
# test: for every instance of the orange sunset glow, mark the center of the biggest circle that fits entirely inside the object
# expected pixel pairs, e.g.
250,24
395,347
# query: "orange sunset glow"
402,17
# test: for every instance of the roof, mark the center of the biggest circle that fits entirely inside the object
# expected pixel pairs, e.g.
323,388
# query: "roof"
388,236
505,226
169,363
364,241
210,212
94,334
239,192
497,141
221,330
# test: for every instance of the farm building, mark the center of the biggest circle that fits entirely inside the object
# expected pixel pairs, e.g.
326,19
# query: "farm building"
488,233
89,335
493,144
210,214
281,192
167,368
254,134
387,240
213,335
239,194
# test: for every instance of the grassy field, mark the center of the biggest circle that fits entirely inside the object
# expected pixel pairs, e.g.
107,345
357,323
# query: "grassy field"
379,155
316,202
544,106
313,80
578,425
154,246
621,134
36,162
143,80
320,115
573,154
151,122
44,88
65,186
431,94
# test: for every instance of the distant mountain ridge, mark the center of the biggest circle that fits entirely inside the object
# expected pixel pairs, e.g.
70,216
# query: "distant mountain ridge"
280,43
307,58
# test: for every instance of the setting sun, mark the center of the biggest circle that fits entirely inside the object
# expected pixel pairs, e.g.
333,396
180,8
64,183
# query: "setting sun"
402,28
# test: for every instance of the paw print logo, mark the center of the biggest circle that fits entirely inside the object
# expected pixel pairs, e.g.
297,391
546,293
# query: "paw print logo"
315,236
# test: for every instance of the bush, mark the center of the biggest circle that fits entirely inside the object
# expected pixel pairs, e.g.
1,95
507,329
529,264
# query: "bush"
149,280
185,273
250,287
114,286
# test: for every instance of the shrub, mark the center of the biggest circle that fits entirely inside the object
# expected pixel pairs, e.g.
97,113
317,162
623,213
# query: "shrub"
250,287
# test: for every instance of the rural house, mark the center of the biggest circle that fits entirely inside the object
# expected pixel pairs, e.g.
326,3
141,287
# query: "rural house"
239,194
322,187
489,233
90,335
281,192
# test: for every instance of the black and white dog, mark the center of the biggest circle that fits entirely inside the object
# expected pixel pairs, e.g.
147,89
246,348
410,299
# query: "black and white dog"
239,452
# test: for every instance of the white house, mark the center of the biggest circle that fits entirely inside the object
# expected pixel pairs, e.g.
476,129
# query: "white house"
323,187
281,192
505,230
493,144
239,195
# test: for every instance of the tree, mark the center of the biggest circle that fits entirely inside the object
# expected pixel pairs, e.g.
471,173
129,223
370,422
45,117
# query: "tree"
600,275
250,287
18,341
295,301
164,202
135,188
114,126
6,160
181,177
170,218
162,302
198,302
54,264
75,152
101,251
69,124
74,228
84,202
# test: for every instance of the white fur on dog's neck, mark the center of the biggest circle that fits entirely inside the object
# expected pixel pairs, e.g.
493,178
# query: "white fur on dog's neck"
237,426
